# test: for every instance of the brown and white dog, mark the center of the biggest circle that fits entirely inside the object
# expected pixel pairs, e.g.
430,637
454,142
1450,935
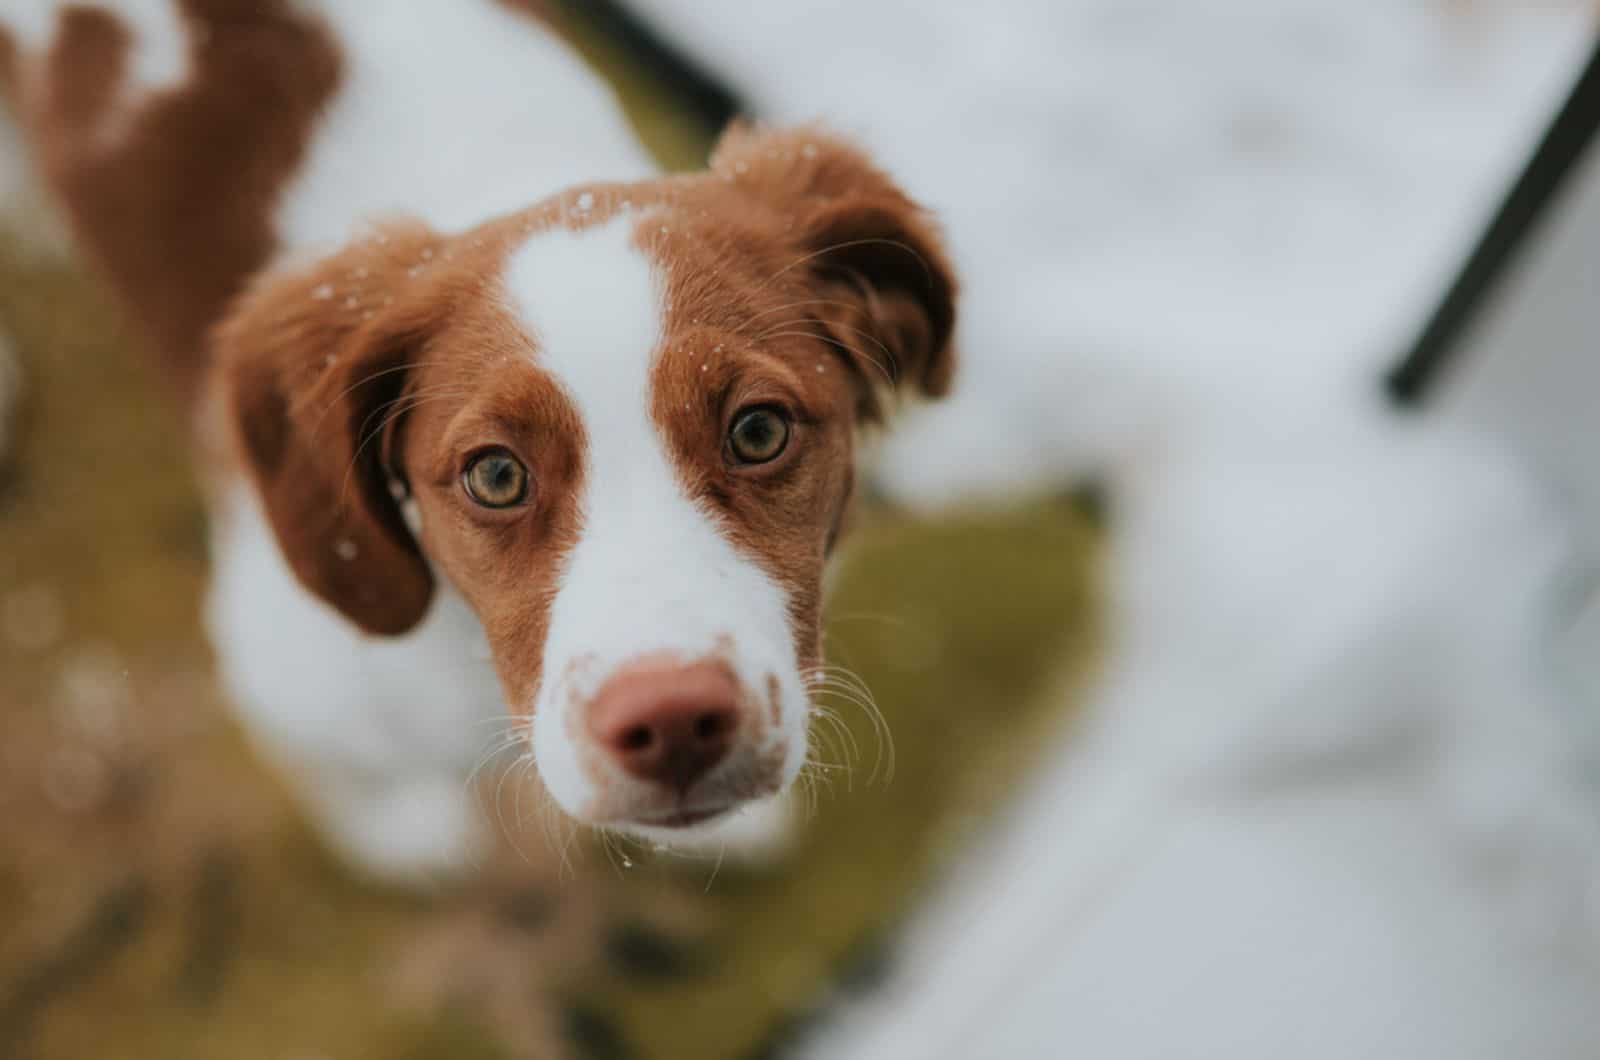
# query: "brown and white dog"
604,440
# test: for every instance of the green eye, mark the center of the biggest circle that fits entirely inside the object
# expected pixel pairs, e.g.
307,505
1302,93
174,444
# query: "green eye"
758,435
496,479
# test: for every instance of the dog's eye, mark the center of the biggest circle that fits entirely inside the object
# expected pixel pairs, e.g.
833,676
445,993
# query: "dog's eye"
758,435
496,479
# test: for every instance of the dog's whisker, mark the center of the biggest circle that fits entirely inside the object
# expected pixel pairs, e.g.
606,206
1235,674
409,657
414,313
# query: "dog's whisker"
502,719
390,413
722,851
752,318
496,749
846,245
883,369
499,803
520,770
777,329
338,398
847,749
833,680
553,824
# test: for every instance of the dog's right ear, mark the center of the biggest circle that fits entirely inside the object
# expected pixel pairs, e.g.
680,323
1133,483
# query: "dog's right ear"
313,367
884,289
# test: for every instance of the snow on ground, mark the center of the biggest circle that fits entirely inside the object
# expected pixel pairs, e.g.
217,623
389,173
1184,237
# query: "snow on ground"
1322,805
1326,802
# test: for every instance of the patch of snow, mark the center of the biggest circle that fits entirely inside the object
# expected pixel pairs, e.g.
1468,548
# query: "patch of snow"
1324,804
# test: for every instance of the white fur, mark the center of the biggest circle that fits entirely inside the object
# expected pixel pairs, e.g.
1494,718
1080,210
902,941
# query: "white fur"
453,112
651,572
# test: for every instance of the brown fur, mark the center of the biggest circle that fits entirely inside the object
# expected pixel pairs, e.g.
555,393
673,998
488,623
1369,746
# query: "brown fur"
315,361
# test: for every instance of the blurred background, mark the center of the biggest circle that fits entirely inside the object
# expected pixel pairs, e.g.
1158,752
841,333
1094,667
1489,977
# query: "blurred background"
1237,707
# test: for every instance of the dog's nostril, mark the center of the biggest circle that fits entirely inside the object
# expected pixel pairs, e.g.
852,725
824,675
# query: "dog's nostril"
712,725
637,738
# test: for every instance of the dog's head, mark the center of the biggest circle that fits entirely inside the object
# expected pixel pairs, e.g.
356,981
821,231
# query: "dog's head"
622,424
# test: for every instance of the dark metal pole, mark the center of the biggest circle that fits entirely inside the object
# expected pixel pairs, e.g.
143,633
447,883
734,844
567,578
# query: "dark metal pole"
1417,376
696,90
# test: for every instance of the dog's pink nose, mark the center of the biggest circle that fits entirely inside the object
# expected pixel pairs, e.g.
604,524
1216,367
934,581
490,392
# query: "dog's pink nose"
667,722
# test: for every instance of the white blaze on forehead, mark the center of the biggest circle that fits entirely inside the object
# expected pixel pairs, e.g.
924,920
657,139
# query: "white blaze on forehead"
651,572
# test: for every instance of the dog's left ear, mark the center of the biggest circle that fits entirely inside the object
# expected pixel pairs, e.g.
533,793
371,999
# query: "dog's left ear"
313,367
884,291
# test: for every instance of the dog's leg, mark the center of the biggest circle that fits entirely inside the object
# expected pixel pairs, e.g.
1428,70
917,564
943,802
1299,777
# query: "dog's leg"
378,736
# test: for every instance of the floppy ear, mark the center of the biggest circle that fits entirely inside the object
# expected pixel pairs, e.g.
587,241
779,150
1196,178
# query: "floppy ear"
312,366
884,291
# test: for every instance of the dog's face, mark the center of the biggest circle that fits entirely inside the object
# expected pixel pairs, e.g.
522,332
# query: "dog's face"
626,421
